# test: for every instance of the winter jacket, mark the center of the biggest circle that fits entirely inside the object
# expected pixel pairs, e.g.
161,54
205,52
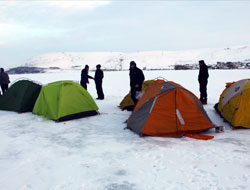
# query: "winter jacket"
99,76
203,73
4,78
85,77
136,77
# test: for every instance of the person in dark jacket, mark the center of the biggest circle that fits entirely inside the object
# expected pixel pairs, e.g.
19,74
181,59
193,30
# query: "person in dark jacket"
98,82
4,80
136,80
85,77
203,79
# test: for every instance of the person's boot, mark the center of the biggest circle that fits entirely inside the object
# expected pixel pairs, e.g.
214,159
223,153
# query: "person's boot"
204,101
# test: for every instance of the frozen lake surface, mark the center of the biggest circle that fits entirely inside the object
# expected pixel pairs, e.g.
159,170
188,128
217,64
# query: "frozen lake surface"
96,153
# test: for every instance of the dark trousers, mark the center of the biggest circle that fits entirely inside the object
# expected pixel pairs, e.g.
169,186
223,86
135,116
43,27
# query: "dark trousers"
133,93
99,90
4,87
84,85
203,91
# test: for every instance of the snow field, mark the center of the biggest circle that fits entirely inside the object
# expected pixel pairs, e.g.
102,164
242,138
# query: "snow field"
96,153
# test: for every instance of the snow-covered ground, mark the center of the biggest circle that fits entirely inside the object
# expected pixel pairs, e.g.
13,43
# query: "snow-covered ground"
96,153
147,59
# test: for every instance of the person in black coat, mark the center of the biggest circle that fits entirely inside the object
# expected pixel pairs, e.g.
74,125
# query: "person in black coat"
203,79
4,81
136,80
85,77
98,82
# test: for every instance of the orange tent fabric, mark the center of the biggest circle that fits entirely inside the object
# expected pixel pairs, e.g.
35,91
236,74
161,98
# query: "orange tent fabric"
128,104
168,109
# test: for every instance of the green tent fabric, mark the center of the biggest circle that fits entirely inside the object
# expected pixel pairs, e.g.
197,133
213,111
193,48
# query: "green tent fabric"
64,100
20,97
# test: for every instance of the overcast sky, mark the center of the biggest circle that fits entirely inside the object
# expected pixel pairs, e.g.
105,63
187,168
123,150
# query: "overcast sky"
29,28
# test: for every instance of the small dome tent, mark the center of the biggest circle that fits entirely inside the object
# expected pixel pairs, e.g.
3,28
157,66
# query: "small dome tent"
20,97
127,103
64,100
234,103
168,109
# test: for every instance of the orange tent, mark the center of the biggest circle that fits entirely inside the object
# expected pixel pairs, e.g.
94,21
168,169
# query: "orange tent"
128,104
168,109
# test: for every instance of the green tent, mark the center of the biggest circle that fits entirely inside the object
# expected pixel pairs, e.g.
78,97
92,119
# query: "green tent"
64,100
20,97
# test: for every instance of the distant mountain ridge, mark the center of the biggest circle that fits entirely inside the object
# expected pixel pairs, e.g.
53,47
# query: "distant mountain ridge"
148,60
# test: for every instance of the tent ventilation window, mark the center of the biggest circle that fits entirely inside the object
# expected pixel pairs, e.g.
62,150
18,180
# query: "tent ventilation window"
178,113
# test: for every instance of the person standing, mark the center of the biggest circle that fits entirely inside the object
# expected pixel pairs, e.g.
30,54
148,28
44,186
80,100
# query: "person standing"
203,80
98,82
4,81
85,77
136,80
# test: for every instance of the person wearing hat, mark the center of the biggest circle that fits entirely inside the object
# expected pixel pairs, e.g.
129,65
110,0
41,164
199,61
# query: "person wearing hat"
85,77
98,82
136,80
203,79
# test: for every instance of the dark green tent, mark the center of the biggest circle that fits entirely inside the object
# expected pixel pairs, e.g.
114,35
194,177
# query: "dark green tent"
20,97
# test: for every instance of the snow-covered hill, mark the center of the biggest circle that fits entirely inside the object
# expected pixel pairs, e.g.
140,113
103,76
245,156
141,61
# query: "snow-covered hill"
148,60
